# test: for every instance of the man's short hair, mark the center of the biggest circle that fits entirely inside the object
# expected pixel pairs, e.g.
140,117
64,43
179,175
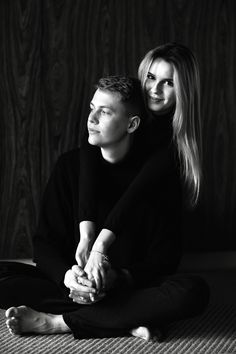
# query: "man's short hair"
130,91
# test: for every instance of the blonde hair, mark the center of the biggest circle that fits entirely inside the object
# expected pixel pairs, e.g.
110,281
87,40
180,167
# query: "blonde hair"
186,118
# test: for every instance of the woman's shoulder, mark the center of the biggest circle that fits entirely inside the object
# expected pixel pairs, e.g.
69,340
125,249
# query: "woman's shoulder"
157,132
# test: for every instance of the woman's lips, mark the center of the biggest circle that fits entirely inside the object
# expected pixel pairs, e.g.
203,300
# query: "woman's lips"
155,99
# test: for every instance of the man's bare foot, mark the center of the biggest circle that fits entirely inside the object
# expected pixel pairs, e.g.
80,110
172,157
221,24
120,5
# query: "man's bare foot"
141,332
23,319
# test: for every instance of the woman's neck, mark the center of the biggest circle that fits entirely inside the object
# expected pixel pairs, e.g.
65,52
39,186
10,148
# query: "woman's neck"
163,117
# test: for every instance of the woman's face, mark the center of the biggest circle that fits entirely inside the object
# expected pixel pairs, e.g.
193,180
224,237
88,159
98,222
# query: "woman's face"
159,87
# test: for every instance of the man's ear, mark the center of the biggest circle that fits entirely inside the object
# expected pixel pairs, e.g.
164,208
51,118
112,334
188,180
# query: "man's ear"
133,124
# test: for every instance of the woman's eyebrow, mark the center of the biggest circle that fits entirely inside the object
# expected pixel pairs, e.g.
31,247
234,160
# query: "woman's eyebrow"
162,78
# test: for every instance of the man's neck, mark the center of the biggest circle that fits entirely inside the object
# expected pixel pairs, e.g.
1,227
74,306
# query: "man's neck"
117,152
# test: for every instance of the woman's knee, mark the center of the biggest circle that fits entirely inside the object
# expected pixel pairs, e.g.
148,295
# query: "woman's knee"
197,293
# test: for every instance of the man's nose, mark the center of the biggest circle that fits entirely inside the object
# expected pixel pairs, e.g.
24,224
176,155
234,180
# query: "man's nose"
93,117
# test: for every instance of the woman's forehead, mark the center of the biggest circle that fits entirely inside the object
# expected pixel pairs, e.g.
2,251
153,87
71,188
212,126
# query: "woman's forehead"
162,68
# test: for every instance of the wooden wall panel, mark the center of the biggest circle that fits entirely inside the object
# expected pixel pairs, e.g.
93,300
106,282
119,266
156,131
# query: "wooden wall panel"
20,28
215,220
53,51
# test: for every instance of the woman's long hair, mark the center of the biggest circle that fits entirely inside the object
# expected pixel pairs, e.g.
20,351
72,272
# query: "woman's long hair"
186,119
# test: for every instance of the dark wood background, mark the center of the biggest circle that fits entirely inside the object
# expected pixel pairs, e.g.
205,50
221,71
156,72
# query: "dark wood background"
51,54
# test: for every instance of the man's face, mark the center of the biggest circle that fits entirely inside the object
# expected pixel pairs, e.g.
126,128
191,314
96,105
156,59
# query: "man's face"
108,121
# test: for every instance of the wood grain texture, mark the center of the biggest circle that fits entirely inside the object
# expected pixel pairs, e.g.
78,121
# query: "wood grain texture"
52,52
20,124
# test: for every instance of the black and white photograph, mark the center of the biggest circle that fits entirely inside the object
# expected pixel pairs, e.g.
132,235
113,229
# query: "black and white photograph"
117,176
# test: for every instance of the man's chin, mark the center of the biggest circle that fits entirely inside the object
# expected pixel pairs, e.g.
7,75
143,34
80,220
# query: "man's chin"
93,141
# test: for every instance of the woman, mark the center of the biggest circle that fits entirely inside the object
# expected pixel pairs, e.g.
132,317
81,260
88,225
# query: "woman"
178,63
139,293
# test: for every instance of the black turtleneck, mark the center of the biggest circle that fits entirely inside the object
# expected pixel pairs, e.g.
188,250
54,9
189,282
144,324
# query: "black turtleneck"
150,160
139,199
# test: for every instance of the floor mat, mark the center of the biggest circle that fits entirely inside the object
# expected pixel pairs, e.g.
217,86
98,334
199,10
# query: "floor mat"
214,332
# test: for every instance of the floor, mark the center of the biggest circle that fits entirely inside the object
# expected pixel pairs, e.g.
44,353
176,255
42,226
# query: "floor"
214,332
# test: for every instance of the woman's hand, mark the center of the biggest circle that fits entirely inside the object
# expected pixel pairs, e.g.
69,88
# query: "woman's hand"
85,299
82,290
96,269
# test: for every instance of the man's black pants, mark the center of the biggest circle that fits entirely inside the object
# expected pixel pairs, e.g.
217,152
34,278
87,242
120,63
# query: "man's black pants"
175,298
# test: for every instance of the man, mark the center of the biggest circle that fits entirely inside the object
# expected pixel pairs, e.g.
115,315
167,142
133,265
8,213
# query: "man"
116,112
58,295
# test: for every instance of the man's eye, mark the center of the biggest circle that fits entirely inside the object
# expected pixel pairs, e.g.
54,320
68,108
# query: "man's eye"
105,112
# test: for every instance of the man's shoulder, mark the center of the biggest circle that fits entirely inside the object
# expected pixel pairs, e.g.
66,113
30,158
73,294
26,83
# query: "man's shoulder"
69,159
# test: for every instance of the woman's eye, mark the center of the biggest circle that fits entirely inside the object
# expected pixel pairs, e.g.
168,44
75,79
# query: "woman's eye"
150,76
168,83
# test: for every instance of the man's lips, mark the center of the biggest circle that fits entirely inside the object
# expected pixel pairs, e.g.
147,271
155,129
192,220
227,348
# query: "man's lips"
92,131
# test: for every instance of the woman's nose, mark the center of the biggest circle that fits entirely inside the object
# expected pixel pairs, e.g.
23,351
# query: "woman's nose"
156,87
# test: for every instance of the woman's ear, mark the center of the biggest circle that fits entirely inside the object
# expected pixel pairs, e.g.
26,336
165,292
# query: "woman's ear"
133,124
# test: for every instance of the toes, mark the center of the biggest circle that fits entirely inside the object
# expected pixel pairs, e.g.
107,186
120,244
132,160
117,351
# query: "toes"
11,312
12,325
141,332
13,331
11,322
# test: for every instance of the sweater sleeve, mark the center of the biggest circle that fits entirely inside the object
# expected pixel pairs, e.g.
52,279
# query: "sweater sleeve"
162,248
53,242
147,183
